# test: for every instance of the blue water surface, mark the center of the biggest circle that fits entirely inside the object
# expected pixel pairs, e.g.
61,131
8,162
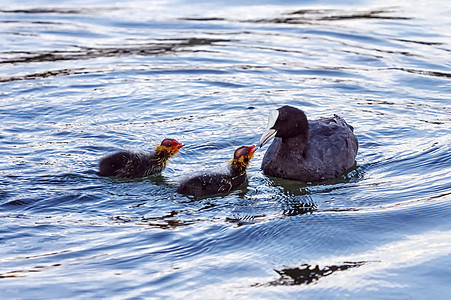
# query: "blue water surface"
82,79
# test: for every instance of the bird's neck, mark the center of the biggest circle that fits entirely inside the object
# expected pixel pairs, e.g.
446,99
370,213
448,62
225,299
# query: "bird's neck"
295,145
237,168
162,156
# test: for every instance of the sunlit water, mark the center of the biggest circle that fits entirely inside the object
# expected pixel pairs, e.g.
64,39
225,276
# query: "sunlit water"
79,80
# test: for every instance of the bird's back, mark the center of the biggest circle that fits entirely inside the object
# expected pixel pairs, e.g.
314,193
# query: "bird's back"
129,165
210,184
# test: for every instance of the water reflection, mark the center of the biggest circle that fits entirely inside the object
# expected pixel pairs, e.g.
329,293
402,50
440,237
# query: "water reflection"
91,52
28,272
293,206
245,206
167,221
308,274
307,16
336,14
54,10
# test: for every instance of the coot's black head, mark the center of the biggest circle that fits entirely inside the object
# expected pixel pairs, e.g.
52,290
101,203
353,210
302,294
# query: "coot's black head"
285,122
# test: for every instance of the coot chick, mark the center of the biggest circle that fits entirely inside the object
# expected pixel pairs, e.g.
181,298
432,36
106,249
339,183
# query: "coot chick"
126,164
305,150
215,184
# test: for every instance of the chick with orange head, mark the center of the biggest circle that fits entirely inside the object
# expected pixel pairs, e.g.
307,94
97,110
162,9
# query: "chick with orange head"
125,164
207,185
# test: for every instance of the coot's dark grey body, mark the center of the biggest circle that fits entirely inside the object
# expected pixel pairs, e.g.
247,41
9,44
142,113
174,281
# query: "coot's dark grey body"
323,149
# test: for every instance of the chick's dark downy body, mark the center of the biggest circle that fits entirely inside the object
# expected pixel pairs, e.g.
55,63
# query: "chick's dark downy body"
126,164
215,184
211,184
130,165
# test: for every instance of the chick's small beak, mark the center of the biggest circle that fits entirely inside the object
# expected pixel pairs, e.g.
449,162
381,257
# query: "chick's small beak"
177,145
251,150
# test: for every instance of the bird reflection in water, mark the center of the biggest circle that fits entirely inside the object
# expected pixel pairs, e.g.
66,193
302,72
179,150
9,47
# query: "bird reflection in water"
308,274
294,197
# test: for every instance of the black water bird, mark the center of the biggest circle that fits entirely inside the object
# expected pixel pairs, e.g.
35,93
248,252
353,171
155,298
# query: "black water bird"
126,164
308,151
220,184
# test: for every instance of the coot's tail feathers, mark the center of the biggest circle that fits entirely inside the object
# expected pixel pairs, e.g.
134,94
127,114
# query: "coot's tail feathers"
341,121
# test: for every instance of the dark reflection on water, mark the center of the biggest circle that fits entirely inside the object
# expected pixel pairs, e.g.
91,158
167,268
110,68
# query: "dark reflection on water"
308,274
163,222
27,272
52,73
306,16
55,10
90,53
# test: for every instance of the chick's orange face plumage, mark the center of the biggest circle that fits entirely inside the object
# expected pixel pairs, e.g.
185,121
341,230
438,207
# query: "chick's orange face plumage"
244,154
171,146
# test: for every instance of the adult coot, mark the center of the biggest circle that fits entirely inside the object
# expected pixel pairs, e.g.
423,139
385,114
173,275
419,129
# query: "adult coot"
307,150
126,164
214,184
